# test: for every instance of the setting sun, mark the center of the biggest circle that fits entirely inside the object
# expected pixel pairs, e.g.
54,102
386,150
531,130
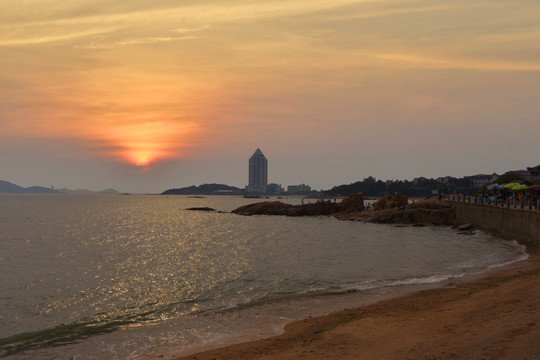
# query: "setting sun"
142,162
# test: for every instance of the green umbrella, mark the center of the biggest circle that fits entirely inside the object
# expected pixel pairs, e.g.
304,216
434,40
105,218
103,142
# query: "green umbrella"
510,186
520,187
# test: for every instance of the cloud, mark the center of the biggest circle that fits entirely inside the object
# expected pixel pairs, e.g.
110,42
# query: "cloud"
38,39
425,62
71,25
103,44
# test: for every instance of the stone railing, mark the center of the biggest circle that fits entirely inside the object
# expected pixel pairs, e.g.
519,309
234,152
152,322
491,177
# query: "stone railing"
490,201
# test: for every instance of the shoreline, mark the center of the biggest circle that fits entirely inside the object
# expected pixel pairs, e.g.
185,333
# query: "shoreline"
406,324
445,331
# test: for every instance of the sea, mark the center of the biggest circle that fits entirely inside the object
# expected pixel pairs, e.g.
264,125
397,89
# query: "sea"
141,277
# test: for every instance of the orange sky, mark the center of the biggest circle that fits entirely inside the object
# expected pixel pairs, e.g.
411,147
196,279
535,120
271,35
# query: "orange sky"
147,95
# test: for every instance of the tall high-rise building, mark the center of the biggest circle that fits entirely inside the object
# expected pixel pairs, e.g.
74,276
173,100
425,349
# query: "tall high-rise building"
258,173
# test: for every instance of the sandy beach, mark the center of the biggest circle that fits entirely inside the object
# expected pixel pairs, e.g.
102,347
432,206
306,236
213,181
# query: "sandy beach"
496,317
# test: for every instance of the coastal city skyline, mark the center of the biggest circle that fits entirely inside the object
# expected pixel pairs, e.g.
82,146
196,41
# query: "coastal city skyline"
144,96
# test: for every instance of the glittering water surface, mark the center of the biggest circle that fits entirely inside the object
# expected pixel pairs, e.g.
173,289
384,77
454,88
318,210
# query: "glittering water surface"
76,269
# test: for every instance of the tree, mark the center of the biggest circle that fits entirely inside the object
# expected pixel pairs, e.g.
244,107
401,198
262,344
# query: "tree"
534,170
508,178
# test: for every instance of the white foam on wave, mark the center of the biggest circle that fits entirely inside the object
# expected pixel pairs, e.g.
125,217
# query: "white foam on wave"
433,279
522,257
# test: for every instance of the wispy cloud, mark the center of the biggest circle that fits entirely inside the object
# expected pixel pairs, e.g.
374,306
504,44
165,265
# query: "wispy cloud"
191,18
103,44
425,62
39,39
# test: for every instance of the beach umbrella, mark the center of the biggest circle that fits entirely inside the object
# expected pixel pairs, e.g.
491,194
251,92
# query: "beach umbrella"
494,187
510,186
520,187
535,187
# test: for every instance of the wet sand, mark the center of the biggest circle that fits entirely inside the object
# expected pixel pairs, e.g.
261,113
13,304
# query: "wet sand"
497,317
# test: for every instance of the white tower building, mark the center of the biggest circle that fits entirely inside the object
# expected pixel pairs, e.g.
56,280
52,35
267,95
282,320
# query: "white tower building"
258,173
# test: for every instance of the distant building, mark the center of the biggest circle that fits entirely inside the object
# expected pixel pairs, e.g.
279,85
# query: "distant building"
258,173
446,180
298,189
535,171
419,180
274,189
526,174
477,181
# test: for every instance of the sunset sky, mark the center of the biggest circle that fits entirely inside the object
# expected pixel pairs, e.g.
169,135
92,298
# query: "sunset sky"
147,95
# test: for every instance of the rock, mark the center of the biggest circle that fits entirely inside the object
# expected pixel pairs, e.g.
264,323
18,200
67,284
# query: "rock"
417,217
464,227
430,203
393,211
201,209
354,202
390,202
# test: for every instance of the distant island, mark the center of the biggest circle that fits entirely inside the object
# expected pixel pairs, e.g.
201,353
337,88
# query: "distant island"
84,191
7,187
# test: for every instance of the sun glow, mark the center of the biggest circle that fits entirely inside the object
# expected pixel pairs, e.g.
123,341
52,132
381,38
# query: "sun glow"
142,162
142,144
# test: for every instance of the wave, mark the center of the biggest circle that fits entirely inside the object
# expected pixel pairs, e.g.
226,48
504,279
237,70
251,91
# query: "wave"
523,255
333,289
69,333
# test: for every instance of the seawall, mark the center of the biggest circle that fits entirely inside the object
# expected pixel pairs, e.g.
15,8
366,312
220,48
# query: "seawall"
510,223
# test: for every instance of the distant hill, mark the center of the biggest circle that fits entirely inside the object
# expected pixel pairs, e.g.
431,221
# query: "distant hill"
7,187
10,188
84,191
205,189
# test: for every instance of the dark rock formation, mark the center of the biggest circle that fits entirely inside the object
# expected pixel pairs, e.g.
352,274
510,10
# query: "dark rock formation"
390,202
444,216
430,203
279,208
354,202
393,210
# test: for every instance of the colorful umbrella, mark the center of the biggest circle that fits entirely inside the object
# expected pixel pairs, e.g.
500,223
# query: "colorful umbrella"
510,186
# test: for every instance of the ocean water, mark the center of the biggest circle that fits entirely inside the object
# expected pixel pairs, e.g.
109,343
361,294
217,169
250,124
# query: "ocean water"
137,277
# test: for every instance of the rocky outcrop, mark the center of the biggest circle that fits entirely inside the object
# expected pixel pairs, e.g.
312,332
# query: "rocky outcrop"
279,208
430,203
395,209
391,210
354,202
390,202
443,216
